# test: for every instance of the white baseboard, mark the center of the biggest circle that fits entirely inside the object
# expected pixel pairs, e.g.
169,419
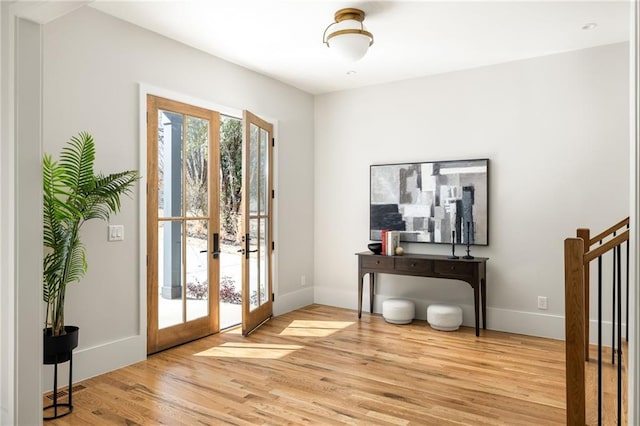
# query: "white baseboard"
100,359
291,301
498,319
606,332
339,298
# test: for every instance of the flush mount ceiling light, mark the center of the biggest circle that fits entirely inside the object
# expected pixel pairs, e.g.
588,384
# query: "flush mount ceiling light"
347,35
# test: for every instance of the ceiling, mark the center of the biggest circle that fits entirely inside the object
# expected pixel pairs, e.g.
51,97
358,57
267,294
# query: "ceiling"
283,39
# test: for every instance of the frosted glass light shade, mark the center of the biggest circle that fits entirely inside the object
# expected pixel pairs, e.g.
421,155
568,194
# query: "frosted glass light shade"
351,47
347,36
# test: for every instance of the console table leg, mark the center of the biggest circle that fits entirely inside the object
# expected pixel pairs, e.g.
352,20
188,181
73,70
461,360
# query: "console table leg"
476,303
484,303
372,280
360,285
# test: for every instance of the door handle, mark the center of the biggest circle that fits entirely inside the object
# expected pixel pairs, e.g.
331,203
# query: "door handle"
245,251
216,246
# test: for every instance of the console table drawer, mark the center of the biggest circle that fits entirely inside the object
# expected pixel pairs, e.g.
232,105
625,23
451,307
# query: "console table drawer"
418,266
454,268
377,262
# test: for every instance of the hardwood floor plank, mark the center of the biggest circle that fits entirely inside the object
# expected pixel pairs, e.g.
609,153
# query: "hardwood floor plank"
321,365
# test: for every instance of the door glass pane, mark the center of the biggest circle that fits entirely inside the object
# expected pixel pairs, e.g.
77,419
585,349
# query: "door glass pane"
197,163
170,164
230,220
262,259
254,272
263,150
170,273
254,176
197,269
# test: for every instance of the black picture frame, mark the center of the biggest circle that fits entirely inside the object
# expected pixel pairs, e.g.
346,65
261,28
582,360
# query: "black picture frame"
431,202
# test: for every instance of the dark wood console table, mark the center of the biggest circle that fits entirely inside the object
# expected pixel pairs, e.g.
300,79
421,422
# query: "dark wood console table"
471,271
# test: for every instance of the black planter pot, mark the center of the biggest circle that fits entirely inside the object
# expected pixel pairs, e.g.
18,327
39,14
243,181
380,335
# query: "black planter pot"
58,349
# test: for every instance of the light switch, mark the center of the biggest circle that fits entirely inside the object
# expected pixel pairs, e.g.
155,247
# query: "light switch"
116,233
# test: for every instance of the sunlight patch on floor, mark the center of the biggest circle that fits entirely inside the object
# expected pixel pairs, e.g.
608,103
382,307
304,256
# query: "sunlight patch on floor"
250,350
302,328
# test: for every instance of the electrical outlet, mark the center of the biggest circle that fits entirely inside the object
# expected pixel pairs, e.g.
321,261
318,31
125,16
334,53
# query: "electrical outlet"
542,302
303,280
116,233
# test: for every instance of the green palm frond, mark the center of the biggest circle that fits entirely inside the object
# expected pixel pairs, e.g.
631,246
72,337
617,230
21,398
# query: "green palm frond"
104,197
72,194
77,160
77,265
52,263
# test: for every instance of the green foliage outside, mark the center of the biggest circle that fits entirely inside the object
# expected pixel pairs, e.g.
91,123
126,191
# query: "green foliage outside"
230,177
230,173
197,166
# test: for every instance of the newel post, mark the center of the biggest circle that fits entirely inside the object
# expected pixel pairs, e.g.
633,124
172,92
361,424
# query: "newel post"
585,234
574,302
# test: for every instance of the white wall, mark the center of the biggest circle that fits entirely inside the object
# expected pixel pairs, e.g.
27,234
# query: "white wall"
7,304
556,132
634,165
93,65
20,288
28,211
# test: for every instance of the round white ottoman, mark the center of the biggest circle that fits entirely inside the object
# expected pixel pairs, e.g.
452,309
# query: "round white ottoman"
444,317
398,311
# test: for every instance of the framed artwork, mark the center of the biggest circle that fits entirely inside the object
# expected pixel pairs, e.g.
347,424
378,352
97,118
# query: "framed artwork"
431,202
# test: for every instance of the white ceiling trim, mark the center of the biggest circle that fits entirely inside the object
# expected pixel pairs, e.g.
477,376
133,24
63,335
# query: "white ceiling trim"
45,11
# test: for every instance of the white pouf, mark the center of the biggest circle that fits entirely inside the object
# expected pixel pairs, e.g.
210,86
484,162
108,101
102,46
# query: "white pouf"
398,311
444,317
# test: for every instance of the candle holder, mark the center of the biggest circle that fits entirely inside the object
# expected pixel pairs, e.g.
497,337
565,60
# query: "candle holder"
468,256
453,246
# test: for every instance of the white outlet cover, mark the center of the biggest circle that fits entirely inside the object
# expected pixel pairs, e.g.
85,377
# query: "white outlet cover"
542,302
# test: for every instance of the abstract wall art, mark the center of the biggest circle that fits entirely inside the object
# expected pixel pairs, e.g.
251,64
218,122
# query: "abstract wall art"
431,202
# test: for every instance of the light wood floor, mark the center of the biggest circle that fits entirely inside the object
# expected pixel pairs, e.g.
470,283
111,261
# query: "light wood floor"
321,365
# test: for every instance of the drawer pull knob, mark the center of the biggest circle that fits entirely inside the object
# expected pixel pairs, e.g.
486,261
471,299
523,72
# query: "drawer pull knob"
413,265
453,268
377,262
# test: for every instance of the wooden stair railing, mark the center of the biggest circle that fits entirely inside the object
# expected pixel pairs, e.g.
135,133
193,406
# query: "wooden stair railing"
577,256
584,233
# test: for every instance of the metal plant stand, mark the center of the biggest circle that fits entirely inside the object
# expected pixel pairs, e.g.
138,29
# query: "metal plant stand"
56,405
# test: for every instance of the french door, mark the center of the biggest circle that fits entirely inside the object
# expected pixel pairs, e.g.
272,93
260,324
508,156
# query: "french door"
257,224
183,222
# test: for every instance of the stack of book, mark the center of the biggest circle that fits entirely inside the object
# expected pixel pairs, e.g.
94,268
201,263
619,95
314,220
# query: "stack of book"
390,241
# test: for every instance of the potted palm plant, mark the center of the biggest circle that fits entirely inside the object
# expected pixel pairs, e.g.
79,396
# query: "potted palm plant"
72,195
